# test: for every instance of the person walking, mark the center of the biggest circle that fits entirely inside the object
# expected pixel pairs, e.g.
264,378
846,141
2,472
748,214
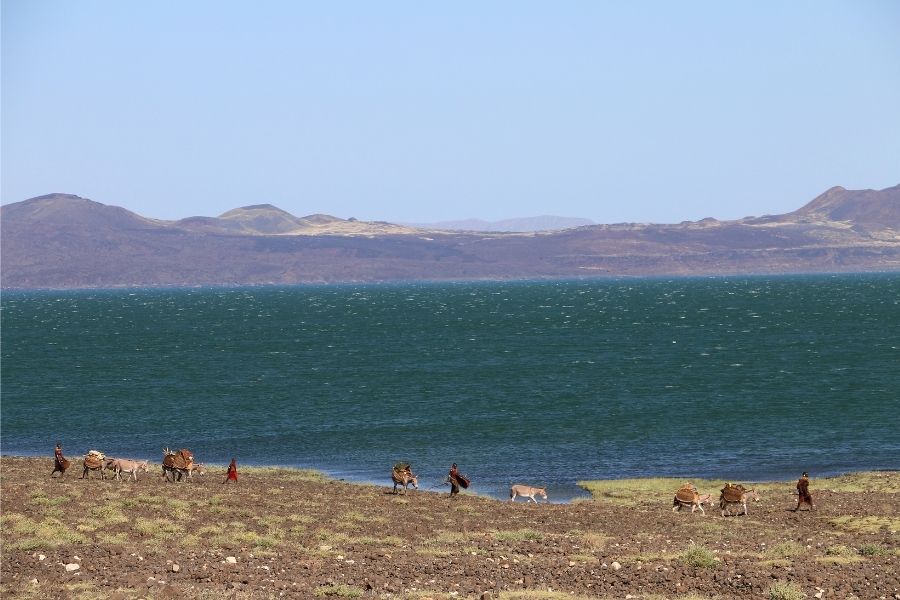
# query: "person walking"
803,495
232,472
453,477
60,463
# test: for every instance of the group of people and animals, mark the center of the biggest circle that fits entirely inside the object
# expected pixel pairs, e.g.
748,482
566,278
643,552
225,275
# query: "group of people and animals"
180,464
402,476
734,495
176,465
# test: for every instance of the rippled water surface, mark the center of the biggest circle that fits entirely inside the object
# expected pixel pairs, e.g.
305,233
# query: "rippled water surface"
535,382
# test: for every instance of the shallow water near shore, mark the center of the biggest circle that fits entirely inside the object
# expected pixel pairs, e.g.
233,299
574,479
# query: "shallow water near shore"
545,383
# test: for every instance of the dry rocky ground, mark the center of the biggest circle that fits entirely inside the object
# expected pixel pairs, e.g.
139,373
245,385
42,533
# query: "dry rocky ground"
294,533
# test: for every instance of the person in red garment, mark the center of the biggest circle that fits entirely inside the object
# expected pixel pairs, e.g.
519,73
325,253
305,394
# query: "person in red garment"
453,477
232,472
457,480
803,495
60,462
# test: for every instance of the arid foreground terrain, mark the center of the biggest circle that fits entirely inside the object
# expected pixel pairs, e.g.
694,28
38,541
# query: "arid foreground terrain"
296,534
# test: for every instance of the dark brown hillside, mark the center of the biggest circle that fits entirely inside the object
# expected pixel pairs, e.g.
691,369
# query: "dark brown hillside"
62,241
67,211
876,209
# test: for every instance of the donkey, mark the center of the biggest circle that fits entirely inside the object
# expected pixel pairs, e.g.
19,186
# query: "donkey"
696,502
131,467
177,473
177,464
745,495
404,478
94,460
527,491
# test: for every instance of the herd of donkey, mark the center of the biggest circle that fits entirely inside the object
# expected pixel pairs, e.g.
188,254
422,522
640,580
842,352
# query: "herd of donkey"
179,465
176,465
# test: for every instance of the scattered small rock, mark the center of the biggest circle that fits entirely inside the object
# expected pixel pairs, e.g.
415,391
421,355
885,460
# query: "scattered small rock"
230,560
616,566
175,567
72,567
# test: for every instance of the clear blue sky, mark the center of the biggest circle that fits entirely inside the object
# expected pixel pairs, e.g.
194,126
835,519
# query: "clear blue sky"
613,111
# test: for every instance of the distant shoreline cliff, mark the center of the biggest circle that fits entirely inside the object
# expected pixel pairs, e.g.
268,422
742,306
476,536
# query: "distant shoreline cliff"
64,241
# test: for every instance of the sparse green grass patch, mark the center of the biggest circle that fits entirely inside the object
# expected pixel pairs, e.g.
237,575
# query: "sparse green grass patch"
785,591
839,555
251,538
150,500
781,554
785,550
211,530
108,514
519,535
391,540
48,533
699,556
448,538
593,540
466,509
338,590
300,518
872,550
714,526
117,539
270,521
40,498
584,558
159,529
332,538
870,481
839,551
869,524
286,474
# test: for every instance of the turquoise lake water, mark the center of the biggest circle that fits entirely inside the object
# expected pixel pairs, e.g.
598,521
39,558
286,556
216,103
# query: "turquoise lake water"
527,382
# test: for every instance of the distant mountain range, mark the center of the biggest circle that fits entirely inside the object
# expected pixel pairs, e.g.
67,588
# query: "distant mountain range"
542,223
64,241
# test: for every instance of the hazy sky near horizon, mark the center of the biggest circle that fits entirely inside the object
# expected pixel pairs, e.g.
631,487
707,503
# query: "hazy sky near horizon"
646,111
